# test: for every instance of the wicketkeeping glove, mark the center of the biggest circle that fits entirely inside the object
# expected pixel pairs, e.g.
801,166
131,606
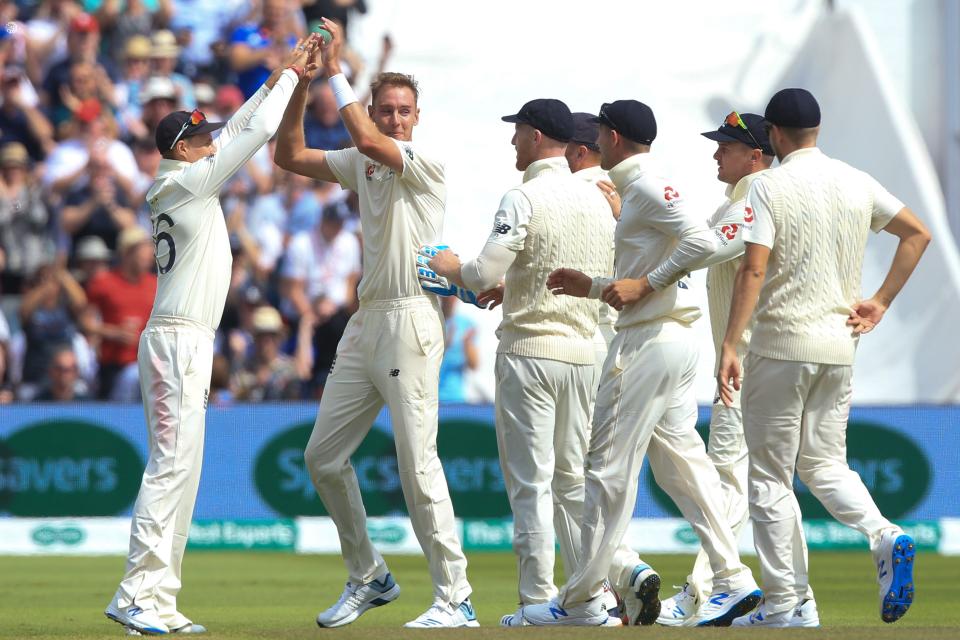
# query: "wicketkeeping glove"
436,284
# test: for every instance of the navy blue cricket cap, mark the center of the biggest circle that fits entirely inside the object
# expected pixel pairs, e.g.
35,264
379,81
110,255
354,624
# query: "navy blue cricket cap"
586,130
551,117
182,124
793,108
630,118
754,136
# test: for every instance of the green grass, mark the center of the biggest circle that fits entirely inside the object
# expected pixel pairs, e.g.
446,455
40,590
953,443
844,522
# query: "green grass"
274,595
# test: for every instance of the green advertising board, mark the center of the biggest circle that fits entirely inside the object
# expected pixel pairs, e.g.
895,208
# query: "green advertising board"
893,468
468,452
68,467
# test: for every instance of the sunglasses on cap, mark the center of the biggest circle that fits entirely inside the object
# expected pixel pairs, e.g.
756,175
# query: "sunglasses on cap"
195,118
734,120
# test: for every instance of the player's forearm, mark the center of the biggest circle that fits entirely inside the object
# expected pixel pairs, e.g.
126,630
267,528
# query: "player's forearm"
239,120
487,269
726,248
746,290
695,246
905,260
291,140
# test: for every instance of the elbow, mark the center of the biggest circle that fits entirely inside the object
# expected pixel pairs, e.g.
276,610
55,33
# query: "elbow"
924,238
282,157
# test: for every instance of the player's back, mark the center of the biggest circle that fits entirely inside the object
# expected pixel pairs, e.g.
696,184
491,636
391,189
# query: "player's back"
821,211
192,249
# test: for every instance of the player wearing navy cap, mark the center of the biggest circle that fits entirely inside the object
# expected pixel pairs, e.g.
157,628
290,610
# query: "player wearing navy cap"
646,389
175,355
805,227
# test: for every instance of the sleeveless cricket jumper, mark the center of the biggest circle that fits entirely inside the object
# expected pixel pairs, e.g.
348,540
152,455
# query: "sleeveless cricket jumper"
390,354
175,354
545,370
815,214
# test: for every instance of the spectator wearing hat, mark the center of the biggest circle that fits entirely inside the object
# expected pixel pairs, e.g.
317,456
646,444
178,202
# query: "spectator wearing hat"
51,305
83,46
545,360
123,19
92,145
743,154
20,120
120,301
806,225
26,239
134,73
268,374
157,99
164,56
63,383
255,48
319,279
651,381
90,257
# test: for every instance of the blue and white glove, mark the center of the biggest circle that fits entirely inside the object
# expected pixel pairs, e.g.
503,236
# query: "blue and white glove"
436,284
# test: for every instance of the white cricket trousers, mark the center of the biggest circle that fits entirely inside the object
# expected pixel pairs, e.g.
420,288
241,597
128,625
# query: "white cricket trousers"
390,353
728,452
795,419
175,361
542,414
647,387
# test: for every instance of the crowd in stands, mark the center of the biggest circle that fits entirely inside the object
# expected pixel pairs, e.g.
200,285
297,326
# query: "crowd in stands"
83,85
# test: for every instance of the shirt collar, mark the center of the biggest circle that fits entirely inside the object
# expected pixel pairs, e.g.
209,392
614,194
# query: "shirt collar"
545,165
592,173
629,170
739,191
801,153
169,166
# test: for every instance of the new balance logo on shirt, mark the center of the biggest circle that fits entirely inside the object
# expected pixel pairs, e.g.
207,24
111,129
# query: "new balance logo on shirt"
394,373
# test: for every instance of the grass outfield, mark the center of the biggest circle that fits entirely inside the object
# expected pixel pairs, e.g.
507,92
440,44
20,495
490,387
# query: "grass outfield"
274,595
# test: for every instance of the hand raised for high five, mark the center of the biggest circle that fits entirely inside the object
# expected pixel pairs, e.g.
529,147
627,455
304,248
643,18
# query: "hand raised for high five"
302,53
331,50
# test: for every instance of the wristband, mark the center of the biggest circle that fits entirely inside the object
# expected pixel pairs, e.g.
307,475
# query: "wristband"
297,70
342,91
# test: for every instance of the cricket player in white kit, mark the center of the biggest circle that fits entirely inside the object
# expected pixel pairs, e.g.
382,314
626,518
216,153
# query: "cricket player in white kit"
392,347
546,377
805,226
743,153
647,381
176,347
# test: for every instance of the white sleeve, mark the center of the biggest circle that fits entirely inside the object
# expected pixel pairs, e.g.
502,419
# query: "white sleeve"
510,222
419,168
728,236
298,258
486,271
886,206
758,225
671,218
343,165
205,177
239,119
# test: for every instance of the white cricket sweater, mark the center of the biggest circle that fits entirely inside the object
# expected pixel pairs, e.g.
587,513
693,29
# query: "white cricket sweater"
658,238
814,213
608,315
568,227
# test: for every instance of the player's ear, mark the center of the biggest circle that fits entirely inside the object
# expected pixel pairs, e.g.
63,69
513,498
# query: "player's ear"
370,111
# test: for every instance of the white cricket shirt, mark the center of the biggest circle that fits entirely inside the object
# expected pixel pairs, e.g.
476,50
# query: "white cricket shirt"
398,213
189,230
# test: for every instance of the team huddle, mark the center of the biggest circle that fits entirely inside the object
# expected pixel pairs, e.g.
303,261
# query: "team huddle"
589,261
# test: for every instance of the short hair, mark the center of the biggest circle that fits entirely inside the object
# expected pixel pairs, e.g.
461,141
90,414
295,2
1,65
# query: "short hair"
393,79
800,135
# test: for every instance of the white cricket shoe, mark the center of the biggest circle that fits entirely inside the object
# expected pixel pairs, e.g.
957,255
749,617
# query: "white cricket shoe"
587,614
642,603
761,618
677,609
722,607
514,619
805,615
133,617
356,599
894,560
613,603
441,615
190,627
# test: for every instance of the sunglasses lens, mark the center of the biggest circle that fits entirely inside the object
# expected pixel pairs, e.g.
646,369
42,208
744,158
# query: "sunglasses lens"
196,117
